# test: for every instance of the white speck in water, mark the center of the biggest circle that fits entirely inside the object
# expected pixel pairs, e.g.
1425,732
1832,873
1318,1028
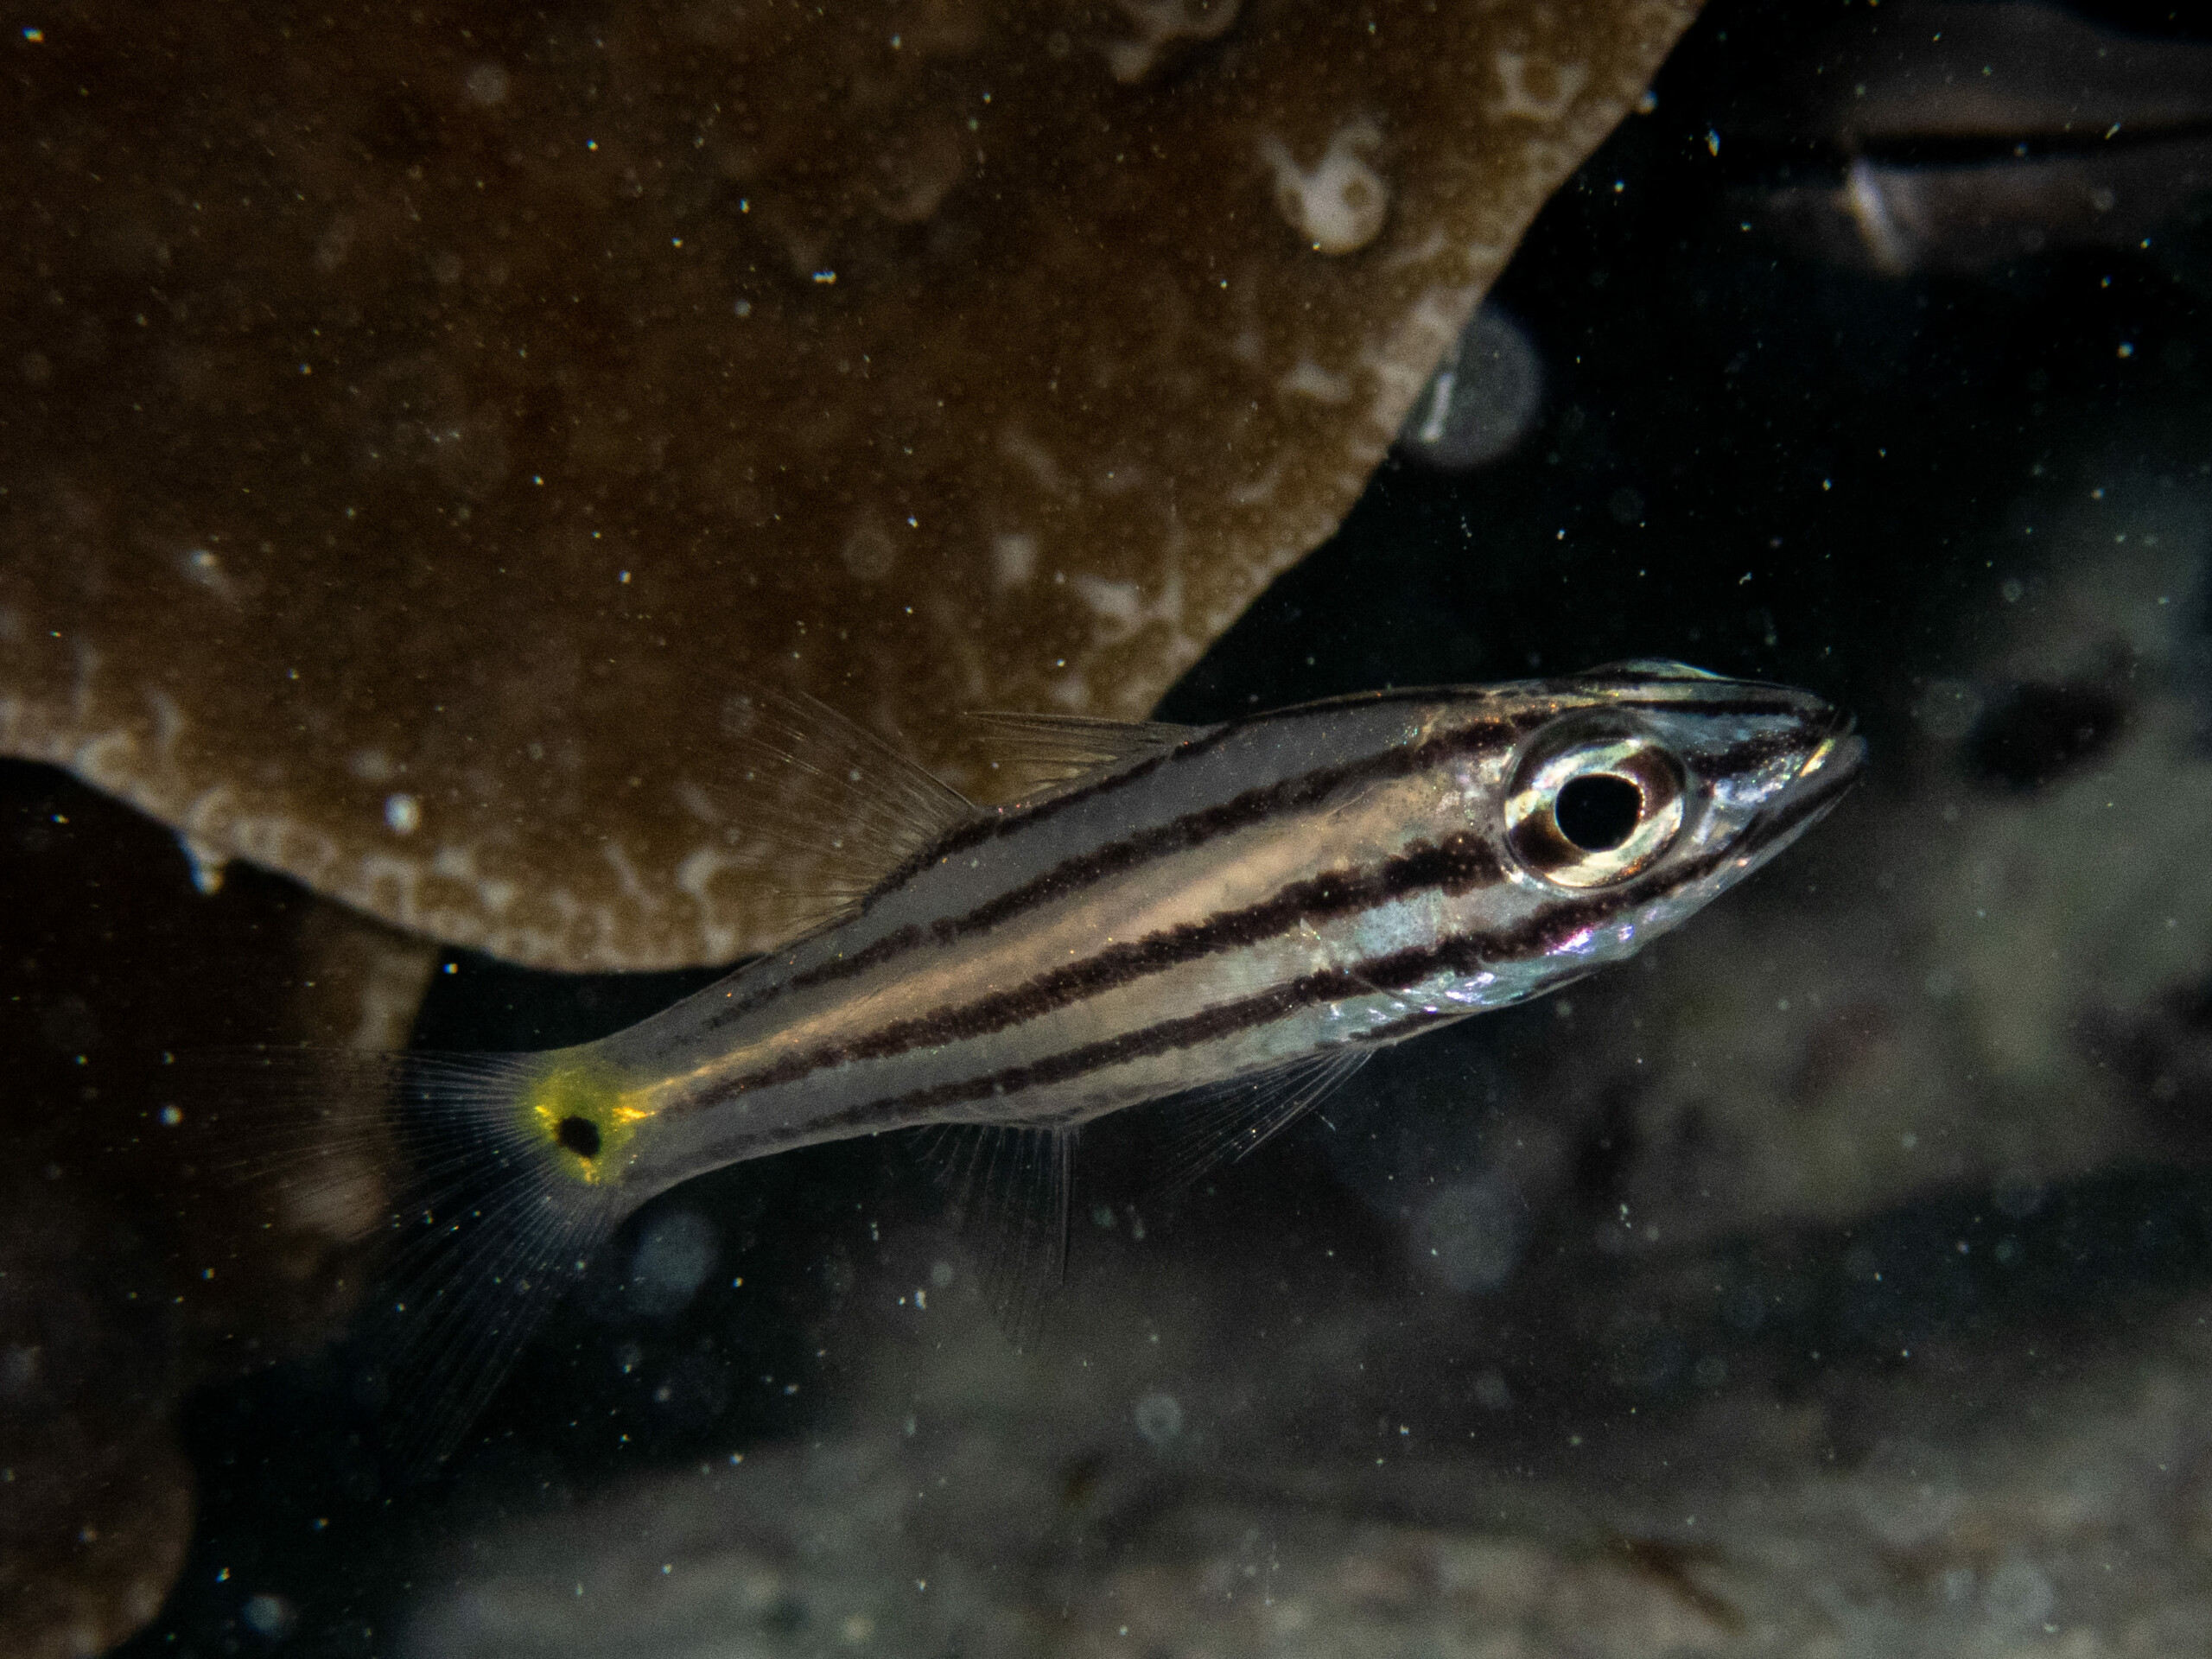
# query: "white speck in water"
1469,1235
402,813
1482,399
487,84
673,1259
209,865
2019,1593
1160,1418
269,1616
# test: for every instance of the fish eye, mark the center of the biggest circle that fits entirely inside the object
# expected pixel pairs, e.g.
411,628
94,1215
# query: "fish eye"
1590,807
1598,811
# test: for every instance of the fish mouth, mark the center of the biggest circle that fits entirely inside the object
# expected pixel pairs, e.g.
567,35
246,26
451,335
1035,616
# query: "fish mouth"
1840,755
1822,779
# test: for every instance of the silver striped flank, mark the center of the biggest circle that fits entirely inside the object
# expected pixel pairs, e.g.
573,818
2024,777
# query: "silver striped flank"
1214,903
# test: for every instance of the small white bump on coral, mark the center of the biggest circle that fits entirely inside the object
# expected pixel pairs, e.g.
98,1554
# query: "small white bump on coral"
487,84
371,765
869,552
1338,205
1310,380
1013,559
1158,24
204,568
1518,87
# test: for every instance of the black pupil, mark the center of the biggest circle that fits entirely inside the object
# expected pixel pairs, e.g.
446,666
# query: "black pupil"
580,1135
1598,811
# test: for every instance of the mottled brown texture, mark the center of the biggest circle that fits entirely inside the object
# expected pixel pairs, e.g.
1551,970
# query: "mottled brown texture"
420,421
129,1268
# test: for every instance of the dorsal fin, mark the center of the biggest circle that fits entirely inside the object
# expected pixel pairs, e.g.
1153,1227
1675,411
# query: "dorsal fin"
1039,754
809,791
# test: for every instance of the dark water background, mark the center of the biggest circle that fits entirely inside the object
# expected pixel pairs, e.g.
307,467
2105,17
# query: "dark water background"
1749,457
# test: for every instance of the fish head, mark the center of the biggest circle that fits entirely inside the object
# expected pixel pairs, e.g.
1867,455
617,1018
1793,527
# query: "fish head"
1638,792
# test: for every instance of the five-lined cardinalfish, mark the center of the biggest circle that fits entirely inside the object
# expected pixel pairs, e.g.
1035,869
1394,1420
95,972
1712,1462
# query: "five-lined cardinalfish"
1251,908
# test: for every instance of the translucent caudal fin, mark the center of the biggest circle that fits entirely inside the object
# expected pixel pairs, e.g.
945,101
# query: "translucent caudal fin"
484,1222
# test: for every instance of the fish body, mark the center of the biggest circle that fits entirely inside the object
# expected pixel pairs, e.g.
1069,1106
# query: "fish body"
1203,906
1348,873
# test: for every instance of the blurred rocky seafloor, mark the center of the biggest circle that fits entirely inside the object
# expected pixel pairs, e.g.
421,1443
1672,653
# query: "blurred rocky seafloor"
1833,1280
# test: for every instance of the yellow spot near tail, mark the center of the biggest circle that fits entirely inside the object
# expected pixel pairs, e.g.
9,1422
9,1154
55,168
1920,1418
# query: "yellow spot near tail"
588,1119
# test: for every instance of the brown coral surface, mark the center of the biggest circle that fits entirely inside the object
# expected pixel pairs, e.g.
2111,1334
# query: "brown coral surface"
420,419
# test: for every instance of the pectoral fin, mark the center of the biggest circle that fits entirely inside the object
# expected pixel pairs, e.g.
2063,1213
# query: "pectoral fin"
1223,1122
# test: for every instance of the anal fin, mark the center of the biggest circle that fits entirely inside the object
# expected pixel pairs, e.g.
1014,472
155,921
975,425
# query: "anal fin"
1013,1186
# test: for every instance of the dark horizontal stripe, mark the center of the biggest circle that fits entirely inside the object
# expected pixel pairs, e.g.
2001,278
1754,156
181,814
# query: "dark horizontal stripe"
1779,707
1462,863
1241,811
1005,821
1399,970
1541,934
1125,854
1753,754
